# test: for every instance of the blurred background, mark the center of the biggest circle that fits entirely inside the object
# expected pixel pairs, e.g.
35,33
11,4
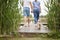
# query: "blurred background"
11,17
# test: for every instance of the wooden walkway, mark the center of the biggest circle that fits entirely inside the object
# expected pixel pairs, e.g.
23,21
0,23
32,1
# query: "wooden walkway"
33,29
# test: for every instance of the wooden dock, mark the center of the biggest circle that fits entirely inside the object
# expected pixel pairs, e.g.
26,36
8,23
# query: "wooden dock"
33,29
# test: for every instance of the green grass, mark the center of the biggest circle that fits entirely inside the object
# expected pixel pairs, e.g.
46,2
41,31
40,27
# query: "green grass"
28,38
33,38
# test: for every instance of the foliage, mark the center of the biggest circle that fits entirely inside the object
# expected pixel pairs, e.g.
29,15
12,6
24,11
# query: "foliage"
54,17
9,16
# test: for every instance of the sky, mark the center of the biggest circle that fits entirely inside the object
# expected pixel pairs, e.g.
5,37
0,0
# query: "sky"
43,7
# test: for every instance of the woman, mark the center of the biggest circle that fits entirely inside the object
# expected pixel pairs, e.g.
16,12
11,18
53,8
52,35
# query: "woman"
26,11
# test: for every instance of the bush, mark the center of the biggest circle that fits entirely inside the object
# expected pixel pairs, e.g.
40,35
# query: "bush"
54,18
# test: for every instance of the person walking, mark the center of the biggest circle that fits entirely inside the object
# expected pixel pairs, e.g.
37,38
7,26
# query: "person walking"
26,11
36,11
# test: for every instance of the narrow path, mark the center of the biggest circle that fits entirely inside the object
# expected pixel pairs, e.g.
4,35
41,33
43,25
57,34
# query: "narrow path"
33,29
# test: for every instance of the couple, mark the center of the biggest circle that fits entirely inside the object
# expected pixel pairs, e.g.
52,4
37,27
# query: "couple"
36,9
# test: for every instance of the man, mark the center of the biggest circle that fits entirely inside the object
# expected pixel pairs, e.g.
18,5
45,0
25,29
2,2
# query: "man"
36,10
26,11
